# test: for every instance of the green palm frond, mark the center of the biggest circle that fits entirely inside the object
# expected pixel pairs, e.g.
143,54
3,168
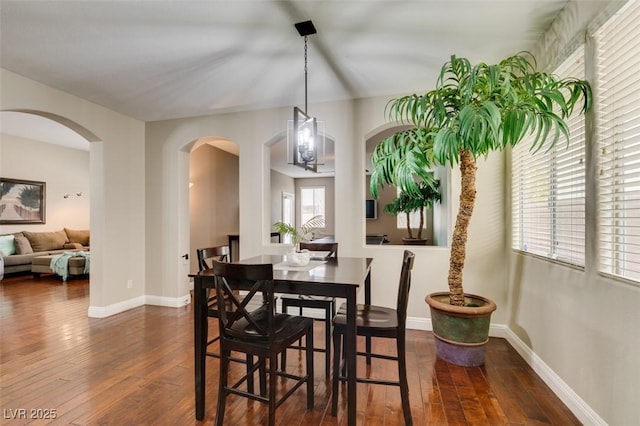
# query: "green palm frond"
480,108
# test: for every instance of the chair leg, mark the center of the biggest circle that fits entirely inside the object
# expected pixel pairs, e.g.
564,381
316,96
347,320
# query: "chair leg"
262,371
249,377
337,337
404,384
310,388
222,385
327,343
272,390
283,361
283,356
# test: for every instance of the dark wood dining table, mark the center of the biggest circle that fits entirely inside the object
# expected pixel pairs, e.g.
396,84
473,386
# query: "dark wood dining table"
342,277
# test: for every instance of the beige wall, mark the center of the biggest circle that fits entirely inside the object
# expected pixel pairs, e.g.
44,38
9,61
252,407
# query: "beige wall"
117,187
279,183
579,330
582,325
64,170
349,124
213,198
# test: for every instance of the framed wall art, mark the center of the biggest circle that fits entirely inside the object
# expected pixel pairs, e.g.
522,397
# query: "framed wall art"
22,201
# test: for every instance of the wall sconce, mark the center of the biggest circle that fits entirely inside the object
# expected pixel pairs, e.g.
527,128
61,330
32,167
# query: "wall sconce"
78,194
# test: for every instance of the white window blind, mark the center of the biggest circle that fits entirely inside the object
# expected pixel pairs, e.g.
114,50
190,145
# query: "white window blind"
618,100
548,188
312,203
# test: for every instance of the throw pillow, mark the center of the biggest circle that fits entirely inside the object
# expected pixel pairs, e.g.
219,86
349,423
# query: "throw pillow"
7,245
22,245
80,237
43,241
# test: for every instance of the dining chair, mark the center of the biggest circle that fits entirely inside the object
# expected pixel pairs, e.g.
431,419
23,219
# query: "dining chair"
205,257
262,333
328,304
382,322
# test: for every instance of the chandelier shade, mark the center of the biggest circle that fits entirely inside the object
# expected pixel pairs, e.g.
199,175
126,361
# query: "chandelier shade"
305,135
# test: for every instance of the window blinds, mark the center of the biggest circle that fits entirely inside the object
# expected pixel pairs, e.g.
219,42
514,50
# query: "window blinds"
618,100
548,188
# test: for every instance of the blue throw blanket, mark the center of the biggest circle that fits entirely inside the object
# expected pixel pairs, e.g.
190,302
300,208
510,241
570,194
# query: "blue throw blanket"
60,264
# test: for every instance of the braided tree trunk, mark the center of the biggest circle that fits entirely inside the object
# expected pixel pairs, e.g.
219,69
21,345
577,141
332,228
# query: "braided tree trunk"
459,241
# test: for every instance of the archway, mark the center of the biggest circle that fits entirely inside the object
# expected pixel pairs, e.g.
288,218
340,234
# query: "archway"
213,194
58,152
383,228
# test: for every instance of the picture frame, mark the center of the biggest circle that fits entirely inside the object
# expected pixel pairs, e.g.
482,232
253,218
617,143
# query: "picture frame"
22,201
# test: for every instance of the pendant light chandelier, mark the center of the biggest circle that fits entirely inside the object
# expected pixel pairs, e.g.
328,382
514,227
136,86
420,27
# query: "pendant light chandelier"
305,127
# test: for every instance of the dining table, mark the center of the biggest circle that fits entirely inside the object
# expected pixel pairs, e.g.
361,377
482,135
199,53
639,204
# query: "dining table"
341,277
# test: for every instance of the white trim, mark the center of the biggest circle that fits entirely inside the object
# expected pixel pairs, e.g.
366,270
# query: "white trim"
572,400
560,388
116,308
169,302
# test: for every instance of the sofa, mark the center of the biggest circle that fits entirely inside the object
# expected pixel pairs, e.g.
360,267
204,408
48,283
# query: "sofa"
20,248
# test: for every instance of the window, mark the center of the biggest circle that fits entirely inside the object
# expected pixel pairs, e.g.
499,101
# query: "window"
618,101
312,202
548,189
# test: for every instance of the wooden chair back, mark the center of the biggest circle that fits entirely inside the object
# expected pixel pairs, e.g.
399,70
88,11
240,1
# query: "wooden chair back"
331,248
403,287
207,255
237,320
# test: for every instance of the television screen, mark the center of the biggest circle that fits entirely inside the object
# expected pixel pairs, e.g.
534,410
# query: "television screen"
371,209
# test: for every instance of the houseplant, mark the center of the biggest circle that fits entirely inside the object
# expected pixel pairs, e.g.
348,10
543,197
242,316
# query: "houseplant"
297,257
408,203
473,111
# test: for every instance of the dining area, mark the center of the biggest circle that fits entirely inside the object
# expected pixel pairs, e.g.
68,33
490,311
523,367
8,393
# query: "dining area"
251,332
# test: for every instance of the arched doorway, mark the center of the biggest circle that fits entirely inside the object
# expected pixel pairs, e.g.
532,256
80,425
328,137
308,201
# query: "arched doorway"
214,211
48,148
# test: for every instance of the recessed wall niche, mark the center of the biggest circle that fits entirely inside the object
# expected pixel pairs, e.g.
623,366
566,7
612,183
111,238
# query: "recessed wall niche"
387,229
286,181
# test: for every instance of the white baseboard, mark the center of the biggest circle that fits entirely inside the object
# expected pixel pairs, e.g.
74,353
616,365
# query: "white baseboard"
116,308
169,302
572,400
578,407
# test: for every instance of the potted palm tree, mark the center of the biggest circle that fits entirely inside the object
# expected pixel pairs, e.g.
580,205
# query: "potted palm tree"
407,203
473,111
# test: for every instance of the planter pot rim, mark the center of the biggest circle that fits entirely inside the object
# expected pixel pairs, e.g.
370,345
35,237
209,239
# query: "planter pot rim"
486,309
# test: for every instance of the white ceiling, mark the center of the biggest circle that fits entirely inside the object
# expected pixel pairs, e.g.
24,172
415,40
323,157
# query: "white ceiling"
155,60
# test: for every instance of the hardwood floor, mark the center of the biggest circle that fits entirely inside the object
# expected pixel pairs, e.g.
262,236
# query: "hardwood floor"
136,368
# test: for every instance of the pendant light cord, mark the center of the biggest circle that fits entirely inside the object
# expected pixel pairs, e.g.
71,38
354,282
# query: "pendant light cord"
305,74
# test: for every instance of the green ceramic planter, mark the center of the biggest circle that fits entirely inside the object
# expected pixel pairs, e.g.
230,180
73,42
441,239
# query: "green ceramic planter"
461,332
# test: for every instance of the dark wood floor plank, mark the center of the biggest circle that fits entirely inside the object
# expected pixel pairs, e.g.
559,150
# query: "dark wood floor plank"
137,368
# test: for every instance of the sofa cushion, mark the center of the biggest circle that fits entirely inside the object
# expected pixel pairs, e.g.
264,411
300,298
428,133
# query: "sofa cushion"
22,245
7,245
80,237
73,246
20,259
43,241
